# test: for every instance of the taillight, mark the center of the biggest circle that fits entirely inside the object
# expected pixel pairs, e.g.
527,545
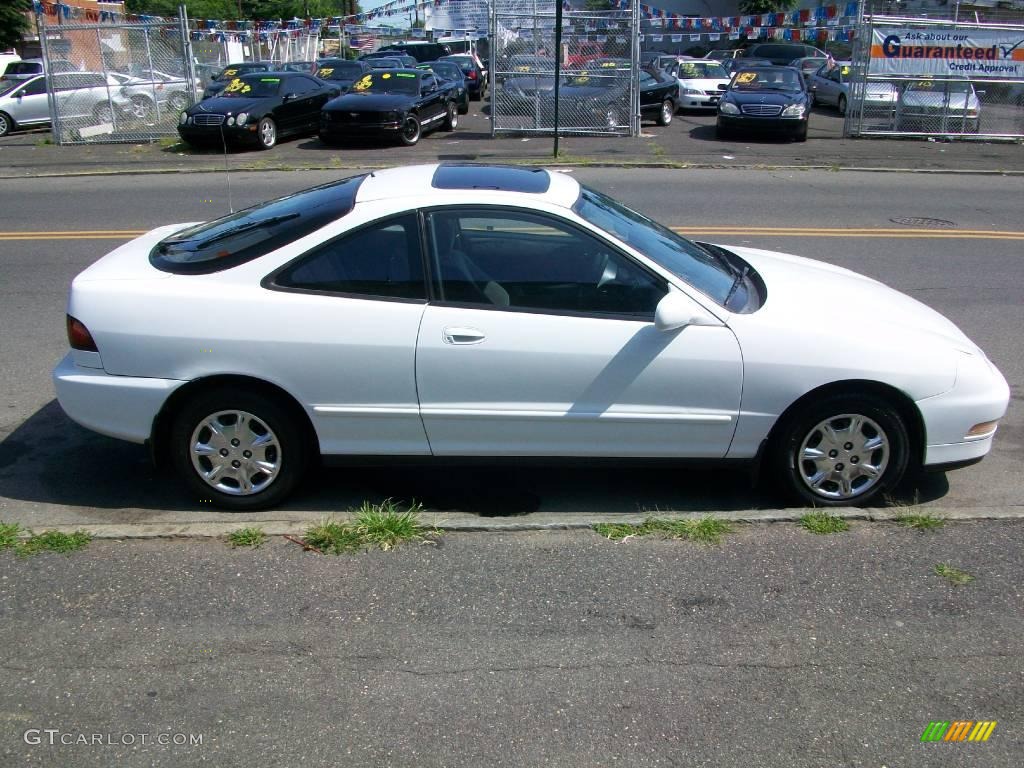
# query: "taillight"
472,74
79,337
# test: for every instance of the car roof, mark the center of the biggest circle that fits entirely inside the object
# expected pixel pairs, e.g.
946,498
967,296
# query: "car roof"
469,183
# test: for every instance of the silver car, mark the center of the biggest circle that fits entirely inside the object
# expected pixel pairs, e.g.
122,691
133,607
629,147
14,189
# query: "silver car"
833,85
82,97
949,105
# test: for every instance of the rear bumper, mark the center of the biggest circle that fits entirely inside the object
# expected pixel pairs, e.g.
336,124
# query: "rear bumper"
124,407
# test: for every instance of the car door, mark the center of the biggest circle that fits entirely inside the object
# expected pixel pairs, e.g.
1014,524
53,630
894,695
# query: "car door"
433,101
32,104
539,341
650,94
310,99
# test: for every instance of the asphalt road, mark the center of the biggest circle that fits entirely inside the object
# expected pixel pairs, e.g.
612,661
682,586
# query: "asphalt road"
52,472
778,649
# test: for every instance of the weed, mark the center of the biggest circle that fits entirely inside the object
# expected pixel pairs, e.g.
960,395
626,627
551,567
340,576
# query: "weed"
706,530
247,537
8,534
52,541
376,525
954,575
923,522
822,522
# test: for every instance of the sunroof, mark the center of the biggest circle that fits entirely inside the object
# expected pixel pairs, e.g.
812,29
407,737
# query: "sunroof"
505,178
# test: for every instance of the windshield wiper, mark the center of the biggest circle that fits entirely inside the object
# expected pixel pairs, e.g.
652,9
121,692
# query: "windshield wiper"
736,283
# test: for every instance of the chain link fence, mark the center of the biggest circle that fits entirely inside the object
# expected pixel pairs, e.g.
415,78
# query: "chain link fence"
598,83
117,81
926,77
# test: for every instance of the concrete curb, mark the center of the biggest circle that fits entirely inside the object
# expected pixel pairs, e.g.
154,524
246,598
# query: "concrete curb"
462,522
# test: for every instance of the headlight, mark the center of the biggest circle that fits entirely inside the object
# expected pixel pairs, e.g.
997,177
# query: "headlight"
190,121
793,110
693,92
230,120
728,108
242,118
183,119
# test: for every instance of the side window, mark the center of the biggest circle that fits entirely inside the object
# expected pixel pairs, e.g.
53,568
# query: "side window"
834,75
646,79
302,85
382,259
526,261
34,88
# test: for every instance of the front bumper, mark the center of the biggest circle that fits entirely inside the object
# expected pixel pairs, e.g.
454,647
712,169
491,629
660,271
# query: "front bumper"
337,129
767,124
704,101
207,133
980,395
124,407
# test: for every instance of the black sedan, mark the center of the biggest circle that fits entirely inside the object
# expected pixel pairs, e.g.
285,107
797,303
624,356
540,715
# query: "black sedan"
765,99
401,103
598,98
450,76
220,80
258,108
476,76
341,72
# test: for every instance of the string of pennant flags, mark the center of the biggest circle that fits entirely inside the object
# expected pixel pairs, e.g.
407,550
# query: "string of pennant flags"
827,22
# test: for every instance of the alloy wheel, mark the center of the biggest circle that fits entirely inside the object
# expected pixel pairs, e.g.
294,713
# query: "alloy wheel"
235,453
843,457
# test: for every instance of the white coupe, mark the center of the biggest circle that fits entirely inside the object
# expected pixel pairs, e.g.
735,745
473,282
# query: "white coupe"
458,310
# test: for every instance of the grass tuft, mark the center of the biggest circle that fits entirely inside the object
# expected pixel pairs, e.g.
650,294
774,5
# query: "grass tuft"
923,522
382,525
8,534
52,541
706,530
822,522
247,537
954,575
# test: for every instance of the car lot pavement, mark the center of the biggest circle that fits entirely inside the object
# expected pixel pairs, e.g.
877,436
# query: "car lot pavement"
688,142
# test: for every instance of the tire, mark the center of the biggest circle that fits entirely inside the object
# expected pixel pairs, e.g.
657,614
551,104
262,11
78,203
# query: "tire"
177,102
142,108
6,124
801,134
832,474
723,133
451,119
814,99
668,110
464,106
271,438
103,114
841,104
266,133
410,132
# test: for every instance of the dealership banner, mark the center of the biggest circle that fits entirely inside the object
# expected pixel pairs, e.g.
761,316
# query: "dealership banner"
948,50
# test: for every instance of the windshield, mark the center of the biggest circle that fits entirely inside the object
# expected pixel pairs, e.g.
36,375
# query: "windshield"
941,86
598,79
698,70
388,82
339,70
447,71
251,87
766,80
6,86
698,267
235,70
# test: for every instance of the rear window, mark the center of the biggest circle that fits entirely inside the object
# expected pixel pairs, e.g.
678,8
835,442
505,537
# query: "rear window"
254,232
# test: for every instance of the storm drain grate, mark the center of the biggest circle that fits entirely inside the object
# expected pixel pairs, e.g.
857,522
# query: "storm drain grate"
916,221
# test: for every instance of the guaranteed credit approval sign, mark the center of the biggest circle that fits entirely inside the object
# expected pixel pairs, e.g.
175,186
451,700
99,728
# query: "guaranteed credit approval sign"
947,51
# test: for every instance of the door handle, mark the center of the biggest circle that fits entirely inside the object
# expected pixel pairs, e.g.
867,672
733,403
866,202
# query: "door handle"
452,335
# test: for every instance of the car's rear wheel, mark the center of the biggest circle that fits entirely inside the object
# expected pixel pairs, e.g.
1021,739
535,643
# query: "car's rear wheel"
103,114
843,450
410,133
6,124
266,133
841,104
668,109
451,118
464,106
142,108
240,450
177,102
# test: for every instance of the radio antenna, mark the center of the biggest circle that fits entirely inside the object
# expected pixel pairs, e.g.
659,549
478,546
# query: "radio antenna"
227,169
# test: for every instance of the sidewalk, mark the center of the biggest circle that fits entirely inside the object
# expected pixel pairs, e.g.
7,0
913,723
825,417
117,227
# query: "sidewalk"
688,142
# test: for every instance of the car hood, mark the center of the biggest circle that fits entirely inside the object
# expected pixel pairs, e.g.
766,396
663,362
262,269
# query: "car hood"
799,288
782,98
226,105
365,101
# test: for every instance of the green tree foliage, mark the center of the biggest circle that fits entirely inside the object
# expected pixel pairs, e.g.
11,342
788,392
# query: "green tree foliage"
766,6
13,22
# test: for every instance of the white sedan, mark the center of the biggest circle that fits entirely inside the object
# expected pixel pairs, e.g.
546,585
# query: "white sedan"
460,310
701,83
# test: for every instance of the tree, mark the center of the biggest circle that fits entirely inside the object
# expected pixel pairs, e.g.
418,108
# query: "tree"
766,6
14,22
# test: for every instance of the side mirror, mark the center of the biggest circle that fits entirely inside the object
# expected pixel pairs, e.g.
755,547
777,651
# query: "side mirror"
677,310
980,93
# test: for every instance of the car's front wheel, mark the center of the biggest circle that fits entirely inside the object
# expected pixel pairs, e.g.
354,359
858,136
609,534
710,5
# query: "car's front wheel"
410,133
841,104
240,450
843,450
103,114
6,124
451,118
266,133
668,109
142,108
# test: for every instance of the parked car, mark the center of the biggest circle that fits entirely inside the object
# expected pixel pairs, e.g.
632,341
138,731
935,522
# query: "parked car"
258,108
780,54
403,59
342,72
949,105
401,103
721,54
659,95
581,54
151,91
731,66
461,310
90,97
420,50
529,80
833,87
450,76
701,83
765,99
474,71
23,104
808,65
231,72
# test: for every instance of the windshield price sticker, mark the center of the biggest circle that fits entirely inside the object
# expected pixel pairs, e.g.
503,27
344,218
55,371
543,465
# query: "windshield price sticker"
363,84
237,86
403,74
386,76
325,71
229,73
746,77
